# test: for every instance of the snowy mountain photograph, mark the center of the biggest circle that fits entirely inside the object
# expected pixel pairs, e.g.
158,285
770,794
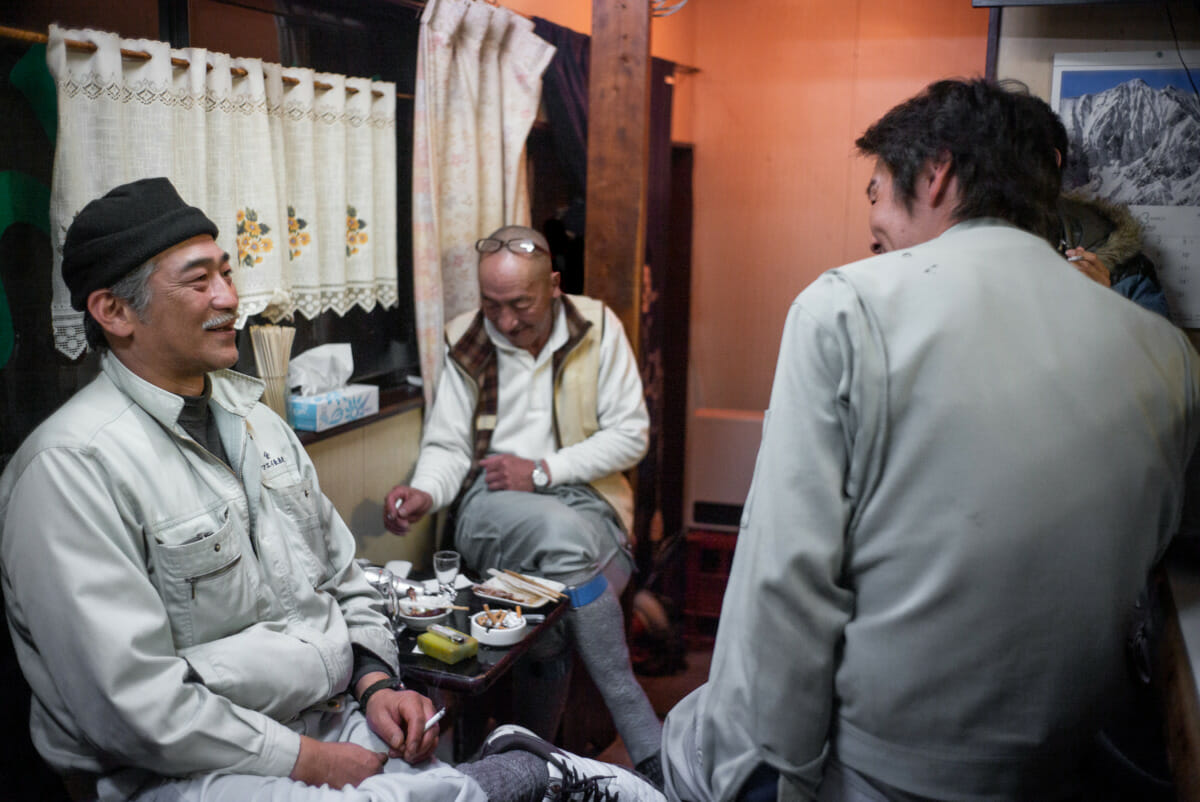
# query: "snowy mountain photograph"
1135,144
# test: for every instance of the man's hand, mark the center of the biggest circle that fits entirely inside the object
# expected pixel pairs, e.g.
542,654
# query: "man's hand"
1090,265
403,507
336,764
508,472
398,717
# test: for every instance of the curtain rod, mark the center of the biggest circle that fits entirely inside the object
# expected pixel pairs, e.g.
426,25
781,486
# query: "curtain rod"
140,55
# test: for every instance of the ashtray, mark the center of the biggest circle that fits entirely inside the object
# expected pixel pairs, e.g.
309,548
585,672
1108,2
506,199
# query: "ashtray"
498,627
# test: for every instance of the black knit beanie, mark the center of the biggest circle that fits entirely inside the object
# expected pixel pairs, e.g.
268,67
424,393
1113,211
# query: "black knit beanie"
114,235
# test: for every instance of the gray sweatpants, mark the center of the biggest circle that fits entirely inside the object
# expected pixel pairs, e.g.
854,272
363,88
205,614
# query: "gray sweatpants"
568,534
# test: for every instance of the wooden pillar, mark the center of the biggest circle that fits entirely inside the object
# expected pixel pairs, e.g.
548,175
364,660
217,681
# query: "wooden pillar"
618,157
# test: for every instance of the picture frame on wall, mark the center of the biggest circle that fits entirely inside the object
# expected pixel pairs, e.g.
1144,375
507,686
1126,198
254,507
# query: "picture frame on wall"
1133,121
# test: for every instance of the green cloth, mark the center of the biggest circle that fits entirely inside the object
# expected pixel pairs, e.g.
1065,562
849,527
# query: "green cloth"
32,77
24,199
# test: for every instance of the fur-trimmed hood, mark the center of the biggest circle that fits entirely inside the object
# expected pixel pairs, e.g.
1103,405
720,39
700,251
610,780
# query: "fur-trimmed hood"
1106,229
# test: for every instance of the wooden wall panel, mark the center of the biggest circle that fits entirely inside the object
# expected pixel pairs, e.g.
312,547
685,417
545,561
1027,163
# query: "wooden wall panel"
358,468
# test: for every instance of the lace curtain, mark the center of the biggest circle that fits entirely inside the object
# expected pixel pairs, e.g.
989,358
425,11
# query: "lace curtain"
297,169
479,82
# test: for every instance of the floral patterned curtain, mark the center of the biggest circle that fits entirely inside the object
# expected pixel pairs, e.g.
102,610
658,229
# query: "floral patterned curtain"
479,80
296,169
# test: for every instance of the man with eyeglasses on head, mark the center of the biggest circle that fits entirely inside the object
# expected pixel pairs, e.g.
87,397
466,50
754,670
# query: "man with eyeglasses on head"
539,411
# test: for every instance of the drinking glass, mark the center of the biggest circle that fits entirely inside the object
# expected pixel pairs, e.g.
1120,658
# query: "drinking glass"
445,568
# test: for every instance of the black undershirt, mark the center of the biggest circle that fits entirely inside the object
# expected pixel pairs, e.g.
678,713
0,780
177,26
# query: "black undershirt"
197,420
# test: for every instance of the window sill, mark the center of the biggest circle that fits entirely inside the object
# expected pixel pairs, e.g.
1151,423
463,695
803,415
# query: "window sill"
393,401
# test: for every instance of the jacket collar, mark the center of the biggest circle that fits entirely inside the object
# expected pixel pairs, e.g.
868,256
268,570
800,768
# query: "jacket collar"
233,391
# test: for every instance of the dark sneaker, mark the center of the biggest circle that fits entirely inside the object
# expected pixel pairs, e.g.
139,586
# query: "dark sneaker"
651,769
574,778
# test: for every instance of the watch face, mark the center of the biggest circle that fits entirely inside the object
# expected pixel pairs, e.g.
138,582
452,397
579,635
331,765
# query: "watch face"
540,479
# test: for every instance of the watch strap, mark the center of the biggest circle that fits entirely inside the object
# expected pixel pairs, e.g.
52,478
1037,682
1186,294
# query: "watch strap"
391,683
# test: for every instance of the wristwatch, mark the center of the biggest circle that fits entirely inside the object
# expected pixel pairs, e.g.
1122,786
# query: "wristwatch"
541,479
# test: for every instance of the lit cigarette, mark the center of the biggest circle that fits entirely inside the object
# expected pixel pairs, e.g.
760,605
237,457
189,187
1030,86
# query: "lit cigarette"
434,719
1074,258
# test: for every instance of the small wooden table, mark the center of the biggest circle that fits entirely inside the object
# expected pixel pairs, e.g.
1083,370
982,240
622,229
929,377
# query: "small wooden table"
473,676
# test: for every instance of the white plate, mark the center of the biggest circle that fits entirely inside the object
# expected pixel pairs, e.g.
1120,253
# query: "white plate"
500,589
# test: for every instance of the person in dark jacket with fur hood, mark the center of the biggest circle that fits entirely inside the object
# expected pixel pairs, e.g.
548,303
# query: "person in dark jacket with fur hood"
1104,242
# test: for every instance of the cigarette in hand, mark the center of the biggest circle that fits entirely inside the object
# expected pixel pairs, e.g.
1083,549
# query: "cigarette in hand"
1074,258
434,719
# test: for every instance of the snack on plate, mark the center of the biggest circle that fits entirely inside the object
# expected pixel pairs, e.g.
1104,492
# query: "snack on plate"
495,590
421,611
514,588
416,611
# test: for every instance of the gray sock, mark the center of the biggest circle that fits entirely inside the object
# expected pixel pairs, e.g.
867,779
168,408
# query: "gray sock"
510,776
599,633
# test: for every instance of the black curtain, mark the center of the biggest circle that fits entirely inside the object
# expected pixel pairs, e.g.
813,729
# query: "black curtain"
650,500
565,95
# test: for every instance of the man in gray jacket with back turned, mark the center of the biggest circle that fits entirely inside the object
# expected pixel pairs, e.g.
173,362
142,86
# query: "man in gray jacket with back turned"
183,599
972,457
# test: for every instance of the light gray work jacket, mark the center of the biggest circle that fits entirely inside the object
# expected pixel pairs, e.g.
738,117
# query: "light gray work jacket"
169,612
972,457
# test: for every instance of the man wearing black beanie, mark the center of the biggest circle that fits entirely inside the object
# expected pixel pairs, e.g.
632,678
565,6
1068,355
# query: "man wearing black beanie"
183,599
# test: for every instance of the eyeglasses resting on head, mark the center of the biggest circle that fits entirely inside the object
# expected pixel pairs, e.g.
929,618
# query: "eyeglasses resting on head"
522,246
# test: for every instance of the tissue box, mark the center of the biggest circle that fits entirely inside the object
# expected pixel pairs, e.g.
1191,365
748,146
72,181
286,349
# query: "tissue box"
316,413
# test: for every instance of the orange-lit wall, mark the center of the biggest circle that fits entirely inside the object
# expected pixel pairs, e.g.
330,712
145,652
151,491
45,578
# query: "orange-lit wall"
784,88
782,95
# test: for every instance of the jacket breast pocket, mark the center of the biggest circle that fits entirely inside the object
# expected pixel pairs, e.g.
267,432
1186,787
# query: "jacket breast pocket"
297,505
207,584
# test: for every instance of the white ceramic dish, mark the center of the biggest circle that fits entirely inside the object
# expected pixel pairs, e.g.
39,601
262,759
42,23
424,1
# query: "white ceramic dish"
493,593
418,614
502,589
511,632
